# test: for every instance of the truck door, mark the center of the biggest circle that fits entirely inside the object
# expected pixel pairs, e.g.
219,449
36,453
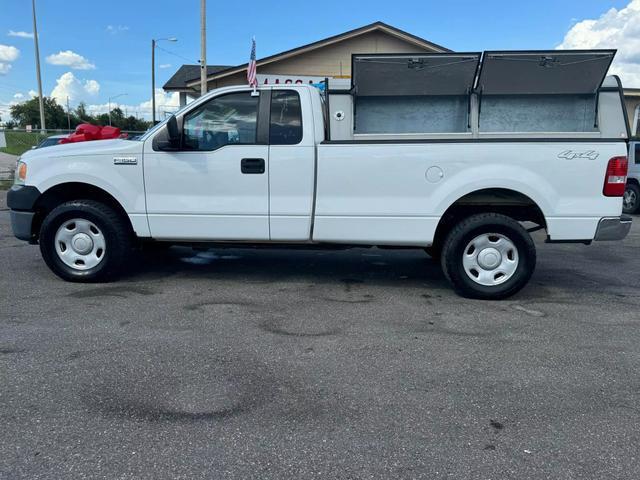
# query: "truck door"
215,186
291,164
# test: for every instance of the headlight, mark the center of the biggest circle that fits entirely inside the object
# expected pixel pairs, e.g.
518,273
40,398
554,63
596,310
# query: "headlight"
21,173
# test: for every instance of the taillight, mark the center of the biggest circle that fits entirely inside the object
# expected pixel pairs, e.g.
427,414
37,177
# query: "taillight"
616,177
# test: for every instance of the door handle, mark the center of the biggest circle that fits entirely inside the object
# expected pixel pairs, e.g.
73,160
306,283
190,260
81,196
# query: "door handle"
252,165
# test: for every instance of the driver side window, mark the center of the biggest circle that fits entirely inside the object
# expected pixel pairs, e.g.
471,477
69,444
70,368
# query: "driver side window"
225,120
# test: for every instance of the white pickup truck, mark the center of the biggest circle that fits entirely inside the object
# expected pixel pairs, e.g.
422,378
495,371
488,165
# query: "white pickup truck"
459,154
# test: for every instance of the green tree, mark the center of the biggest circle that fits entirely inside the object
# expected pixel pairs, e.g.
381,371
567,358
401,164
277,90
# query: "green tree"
82,116
28,113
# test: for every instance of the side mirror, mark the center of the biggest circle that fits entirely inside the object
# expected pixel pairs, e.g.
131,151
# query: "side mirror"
169,138
173,132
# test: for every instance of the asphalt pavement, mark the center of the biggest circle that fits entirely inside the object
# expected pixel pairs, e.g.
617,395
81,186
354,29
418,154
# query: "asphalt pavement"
356,364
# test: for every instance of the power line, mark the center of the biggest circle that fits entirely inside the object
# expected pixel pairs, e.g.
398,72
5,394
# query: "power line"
190,60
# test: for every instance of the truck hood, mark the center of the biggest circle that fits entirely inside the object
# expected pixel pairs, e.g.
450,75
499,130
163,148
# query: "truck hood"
86,149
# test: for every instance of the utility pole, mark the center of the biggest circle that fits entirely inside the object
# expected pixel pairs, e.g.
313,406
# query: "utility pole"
43,127
153,82
68,114
203,47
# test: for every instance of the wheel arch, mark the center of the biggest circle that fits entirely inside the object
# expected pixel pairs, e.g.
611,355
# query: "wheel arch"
68,191
506,201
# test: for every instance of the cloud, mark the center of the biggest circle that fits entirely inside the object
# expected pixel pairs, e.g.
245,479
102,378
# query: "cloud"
20,34
115,29
33,93
70,59
8,53
165,103
613,29
18,96
69,86
165,65
5,113
92,87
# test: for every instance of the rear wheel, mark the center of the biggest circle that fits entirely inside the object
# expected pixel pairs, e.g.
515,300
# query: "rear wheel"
85,241
488,256
631,199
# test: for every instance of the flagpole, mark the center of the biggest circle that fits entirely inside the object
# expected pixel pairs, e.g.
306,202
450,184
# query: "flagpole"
252,73
203,47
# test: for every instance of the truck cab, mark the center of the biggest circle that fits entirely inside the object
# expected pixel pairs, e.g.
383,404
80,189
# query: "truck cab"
450,158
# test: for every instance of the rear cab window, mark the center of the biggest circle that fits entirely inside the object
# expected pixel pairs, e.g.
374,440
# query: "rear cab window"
285,121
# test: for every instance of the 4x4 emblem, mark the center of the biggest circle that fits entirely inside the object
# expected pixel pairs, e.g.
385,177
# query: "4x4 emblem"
571,155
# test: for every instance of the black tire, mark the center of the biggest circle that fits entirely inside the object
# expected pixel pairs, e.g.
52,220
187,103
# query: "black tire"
115,229
631,202
487,223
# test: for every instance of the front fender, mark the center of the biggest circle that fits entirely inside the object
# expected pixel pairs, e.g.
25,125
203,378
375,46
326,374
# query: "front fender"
123,182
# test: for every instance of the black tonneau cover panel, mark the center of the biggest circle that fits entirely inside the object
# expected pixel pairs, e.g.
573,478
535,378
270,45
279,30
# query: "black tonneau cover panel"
414,74
549,72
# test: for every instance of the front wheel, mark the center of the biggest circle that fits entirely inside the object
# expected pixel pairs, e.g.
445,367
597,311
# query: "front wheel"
488,256
631,199
85,241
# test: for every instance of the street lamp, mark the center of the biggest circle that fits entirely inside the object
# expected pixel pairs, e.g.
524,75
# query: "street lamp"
43,127
153,74
112,98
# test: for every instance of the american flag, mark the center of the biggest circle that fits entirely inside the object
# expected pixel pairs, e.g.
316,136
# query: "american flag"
251,68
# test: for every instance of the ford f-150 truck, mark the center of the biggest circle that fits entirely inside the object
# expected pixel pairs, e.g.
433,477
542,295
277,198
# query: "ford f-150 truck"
461,154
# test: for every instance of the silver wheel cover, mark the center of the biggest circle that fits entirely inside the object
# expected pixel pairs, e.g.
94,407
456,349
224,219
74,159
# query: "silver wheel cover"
80,244
490,259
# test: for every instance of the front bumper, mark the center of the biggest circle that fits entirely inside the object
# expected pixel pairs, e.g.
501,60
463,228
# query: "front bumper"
613,228
21,199
21,223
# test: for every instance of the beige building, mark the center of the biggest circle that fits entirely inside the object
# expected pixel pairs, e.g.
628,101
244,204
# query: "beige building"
330,58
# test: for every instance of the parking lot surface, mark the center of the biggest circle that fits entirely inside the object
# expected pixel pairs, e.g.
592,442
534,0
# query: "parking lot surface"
312,364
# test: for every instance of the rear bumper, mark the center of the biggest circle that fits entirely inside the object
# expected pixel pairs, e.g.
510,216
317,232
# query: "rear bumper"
21,224
613,228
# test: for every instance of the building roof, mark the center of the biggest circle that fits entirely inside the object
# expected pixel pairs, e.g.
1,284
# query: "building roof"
376,26
187,73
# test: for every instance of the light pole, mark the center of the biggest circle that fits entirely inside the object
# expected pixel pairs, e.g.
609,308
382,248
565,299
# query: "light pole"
37,51
112,98
153,74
